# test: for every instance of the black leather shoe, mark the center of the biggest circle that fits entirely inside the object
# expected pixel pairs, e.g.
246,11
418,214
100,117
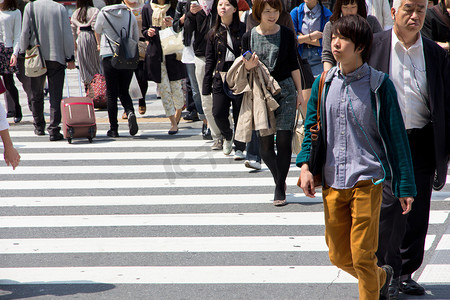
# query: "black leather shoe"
112,133
411,287
56,137
39,132
192,116
17,119
384,291
393,289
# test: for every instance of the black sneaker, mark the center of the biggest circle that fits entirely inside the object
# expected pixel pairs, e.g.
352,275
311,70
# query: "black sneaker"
393,289
112,133
39,132
56,137
207,134
384,291
132,123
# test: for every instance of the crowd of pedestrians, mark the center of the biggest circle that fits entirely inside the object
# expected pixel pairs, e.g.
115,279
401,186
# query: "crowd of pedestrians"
375,75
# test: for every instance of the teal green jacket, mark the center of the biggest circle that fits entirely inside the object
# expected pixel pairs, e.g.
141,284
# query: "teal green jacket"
398,167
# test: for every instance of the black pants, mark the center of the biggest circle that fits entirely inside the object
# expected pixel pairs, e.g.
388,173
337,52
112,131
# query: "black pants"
402,238
141,77
26,84
117,85
12,95
221,113
55,76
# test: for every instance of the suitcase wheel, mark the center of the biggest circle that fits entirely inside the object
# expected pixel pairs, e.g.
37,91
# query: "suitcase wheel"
69,140
71,132
90,140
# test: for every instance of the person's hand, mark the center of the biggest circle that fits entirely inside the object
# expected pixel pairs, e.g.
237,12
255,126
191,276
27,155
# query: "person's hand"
13,60
168,21
252,62
11,157
300,99
315,35
71,65
406,203
307,181
195,8
151,32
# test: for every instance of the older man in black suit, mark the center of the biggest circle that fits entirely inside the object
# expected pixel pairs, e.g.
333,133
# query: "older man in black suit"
420,70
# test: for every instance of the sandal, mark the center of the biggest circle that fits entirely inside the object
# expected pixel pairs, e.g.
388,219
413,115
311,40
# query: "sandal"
279,202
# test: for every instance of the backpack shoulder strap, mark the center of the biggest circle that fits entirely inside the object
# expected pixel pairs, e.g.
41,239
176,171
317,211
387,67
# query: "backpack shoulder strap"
110,24
319,95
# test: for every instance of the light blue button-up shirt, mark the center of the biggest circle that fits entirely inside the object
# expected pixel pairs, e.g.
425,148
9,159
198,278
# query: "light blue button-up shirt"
311,20
351,150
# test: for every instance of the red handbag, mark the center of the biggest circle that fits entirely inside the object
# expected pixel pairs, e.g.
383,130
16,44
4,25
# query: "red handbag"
97,91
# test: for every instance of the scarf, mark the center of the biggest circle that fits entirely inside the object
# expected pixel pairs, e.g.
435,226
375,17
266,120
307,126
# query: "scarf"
206,5
159,13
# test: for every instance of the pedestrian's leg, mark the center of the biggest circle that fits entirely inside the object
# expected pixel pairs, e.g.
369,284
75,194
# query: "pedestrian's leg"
12,93
206,99
221,112
338,222
55,75
365,212
112,92
267,151
143,85
166,98
283,158
177,98
37,102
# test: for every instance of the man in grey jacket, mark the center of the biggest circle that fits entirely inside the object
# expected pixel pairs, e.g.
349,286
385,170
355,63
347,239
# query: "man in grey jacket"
57,48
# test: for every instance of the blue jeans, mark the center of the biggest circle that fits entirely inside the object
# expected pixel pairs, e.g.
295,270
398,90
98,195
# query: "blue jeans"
190,68
314,59
252,148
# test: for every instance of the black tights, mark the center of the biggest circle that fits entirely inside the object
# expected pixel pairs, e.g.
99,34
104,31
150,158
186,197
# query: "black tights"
280,162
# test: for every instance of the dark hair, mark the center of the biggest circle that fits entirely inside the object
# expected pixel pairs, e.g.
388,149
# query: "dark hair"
234,26
83,5
112,2
337,10
258,7
357,30
9,5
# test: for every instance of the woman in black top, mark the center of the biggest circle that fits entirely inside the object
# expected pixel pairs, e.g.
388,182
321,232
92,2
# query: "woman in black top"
222,47
275,47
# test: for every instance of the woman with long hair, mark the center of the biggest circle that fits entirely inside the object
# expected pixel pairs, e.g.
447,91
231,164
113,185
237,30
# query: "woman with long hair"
309,20
117,80
165,70
223,46
83,23
344,8
11,20
275,47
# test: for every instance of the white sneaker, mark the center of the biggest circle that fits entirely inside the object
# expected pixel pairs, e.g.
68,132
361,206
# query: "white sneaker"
238,155
252,164
227,146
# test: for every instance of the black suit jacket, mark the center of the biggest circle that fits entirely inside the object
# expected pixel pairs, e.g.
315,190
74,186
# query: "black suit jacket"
437,64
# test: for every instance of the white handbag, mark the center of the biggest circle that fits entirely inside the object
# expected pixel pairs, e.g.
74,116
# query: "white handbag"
171,41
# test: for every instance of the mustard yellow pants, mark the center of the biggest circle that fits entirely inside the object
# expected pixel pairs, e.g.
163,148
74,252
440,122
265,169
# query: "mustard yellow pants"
351,232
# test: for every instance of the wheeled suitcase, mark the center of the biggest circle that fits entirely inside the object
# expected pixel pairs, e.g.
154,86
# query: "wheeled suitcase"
78,118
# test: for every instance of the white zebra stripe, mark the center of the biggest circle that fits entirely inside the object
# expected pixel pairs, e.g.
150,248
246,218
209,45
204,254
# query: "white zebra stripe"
206,219
176,275
435,273
164,244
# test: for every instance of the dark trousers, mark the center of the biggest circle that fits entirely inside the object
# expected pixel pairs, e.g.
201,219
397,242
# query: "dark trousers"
117,86
221,113
12,95
402,238
141,77
26,84
55,76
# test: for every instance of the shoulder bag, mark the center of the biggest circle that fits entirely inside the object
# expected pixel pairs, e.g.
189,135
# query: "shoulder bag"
298,133
317,151
34,61
125,50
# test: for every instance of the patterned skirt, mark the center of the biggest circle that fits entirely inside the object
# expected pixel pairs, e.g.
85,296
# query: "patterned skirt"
5,58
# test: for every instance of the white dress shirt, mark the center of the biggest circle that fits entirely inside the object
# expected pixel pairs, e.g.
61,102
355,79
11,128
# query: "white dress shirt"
408,73
10,29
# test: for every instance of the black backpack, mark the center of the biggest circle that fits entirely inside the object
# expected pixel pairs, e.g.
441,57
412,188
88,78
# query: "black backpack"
125,49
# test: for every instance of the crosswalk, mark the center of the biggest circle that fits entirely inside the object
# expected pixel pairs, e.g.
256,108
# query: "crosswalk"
159,217
167,214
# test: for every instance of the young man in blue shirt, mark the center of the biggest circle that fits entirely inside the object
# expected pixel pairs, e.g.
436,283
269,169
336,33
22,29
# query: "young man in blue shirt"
365,143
